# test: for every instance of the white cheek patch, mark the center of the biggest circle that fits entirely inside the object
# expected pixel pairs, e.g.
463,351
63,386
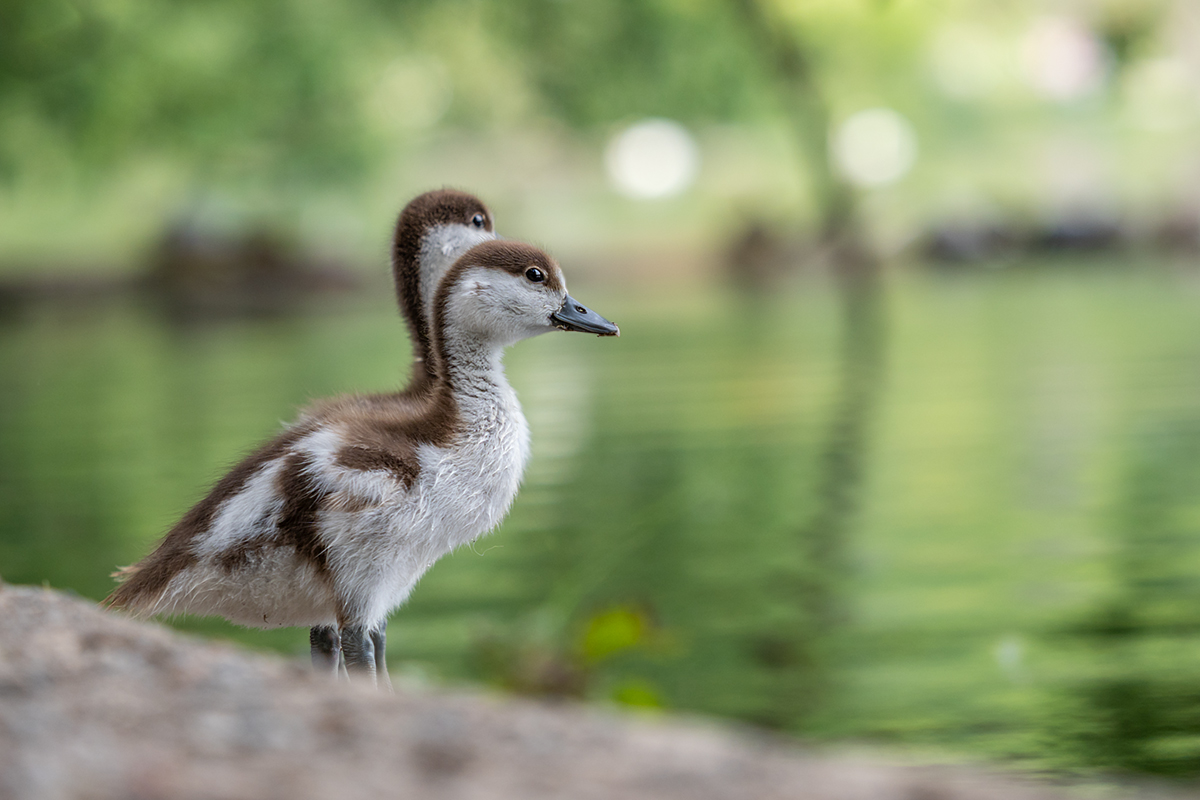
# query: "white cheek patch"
504,307
441,247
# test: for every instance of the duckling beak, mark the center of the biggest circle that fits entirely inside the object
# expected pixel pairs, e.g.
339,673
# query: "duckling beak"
574,317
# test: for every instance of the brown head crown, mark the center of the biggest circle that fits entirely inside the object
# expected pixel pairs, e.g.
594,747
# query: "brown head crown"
423,213
506,255
511,256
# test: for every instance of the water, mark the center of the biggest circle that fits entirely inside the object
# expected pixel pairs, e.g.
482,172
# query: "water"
980,537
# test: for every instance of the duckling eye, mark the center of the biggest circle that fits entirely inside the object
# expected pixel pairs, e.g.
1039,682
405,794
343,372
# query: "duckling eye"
478,220
534,274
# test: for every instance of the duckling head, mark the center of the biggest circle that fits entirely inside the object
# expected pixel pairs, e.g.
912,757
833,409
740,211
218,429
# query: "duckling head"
505,291
433,230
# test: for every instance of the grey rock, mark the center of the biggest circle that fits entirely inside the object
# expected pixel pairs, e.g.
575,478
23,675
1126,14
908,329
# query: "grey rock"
93,705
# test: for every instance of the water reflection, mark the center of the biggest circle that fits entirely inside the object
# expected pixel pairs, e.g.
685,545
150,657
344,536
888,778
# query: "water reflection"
1141,710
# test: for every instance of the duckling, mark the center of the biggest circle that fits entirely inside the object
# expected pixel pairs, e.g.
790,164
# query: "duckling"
331,524
433,230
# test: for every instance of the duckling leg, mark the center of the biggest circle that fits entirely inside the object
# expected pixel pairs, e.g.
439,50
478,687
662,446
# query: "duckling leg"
326,647
358,647
379,641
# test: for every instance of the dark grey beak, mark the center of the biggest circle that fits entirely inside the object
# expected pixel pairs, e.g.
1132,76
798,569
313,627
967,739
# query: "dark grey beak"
574,317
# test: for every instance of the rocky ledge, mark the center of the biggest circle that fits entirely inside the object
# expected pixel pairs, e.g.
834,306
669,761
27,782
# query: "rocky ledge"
93,705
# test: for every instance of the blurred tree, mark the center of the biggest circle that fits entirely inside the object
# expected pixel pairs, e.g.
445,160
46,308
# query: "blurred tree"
223,87
702,62
807,111
284,89
599,63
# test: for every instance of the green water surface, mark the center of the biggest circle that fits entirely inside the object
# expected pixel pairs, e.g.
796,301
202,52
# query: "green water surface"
981,538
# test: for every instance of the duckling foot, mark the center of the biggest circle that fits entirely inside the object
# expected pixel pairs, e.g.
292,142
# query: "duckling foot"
358,647
326,647
379,642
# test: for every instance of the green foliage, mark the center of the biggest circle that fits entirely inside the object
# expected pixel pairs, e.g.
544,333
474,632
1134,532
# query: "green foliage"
613,631
596,63
637,694
222,86
289,90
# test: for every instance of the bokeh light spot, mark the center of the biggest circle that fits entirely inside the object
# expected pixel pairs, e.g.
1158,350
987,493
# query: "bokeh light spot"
1063,59
652,158
875,147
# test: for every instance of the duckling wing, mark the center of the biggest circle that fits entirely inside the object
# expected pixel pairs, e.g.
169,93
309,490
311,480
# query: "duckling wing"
269,528
240,507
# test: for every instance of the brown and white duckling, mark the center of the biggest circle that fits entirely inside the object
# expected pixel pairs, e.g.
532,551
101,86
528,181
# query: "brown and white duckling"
332,523
433,230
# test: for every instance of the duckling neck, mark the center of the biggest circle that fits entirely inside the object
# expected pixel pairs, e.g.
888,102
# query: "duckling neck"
472,370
